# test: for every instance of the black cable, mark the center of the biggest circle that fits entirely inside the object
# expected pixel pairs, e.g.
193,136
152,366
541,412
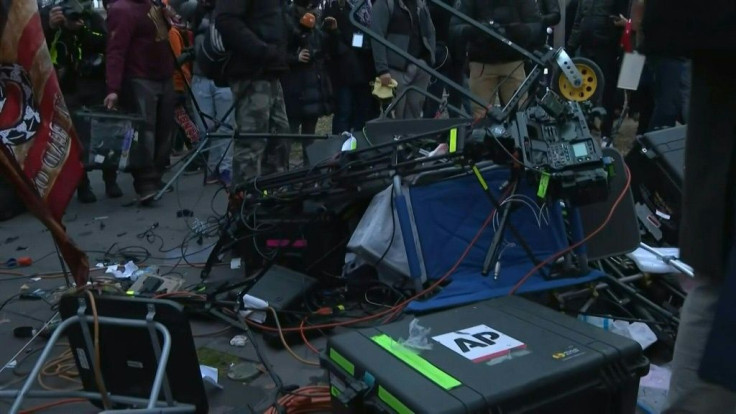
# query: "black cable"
393,231
10,299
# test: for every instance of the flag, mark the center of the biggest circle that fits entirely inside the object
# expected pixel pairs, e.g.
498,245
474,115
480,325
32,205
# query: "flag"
40,153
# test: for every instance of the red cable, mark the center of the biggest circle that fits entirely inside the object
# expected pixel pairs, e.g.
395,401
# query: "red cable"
578,244
393,309
53,404
304,337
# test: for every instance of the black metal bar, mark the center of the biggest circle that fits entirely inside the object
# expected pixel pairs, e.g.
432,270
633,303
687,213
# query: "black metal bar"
403,94
265,135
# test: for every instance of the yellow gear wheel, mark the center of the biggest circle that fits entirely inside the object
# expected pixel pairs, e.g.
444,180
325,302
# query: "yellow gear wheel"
586,90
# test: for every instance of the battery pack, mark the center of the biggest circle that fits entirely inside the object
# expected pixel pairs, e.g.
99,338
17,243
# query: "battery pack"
507,355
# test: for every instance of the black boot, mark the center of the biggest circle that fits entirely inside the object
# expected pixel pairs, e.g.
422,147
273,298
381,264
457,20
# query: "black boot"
112,190
84,191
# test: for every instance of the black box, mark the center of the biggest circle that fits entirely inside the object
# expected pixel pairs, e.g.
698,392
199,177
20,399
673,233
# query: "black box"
657,171
563,366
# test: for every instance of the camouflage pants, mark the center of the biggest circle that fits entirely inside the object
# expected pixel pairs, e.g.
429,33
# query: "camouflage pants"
260,109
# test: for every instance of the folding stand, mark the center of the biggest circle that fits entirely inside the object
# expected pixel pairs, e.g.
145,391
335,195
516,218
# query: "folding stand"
162,353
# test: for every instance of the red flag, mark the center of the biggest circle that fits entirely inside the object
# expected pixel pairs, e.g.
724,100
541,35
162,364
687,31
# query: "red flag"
40,153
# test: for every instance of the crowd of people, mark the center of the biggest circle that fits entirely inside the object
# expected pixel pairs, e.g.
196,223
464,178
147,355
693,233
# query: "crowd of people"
291,63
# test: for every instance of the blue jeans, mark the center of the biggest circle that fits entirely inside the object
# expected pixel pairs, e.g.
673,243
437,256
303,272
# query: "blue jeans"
215,102
353,108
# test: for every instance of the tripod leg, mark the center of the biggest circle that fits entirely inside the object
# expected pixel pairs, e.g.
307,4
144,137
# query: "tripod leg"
191,157
494,250
514,231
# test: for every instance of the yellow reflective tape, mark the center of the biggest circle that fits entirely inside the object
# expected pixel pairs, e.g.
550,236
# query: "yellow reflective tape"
543,184
393,402
342,361
415,361
453,140
480,178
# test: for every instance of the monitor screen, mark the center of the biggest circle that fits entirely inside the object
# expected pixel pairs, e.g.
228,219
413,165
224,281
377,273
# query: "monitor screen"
580,149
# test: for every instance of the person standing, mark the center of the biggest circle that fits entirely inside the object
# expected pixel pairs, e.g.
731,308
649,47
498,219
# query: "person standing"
215,100
494,67
408,25
255,32
350,66
77,47
307,87
704,364
140,67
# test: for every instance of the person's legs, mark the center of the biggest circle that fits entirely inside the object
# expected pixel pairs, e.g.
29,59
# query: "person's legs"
251,116
344,109
364,107
202,91
221,152
482,84
277,150
402,78
688,393
165,127
511,76
140,97
415,100
667,99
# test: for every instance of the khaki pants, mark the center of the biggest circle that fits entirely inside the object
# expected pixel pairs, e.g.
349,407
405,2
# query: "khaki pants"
486,78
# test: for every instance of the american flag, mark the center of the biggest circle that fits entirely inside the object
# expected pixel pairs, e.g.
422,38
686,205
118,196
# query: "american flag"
40,153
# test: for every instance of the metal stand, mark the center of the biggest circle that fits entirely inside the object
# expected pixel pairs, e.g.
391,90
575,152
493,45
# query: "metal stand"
201,148
160,381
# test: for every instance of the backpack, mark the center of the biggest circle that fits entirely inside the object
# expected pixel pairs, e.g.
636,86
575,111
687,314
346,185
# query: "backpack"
211,55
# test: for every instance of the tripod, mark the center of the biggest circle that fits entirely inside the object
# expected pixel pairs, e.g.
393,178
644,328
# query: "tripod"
202,146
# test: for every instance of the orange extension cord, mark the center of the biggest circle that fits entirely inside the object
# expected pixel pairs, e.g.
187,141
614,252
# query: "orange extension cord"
311,399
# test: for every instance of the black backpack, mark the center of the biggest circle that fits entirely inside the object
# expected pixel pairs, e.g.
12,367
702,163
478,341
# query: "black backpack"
211,54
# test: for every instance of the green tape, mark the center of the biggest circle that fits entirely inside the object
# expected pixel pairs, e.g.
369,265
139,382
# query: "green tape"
543,184
453,140
393,402
415,361
480,178
342,362
334,391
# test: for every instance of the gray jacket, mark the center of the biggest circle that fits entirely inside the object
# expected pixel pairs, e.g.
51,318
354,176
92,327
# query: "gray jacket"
391,20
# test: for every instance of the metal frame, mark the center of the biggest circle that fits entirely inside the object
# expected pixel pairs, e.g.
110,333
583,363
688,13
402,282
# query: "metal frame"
160,382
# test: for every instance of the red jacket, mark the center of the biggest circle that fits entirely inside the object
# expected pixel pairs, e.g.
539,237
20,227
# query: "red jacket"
138,44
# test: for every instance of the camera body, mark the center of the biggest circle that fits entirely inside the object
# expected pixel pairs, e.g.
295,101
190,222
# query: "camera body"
73,10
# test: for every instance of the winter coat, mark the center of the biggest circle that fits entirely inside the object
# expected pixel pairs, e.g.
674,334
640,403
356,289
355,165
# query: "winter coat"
396,27
519,18
255,32
307,87
347,65
594,25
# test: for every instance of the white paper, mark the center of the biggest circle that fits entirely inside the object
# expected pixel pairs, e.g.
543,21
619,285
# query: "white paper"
649,263
251,303
235,263
631,69
238,340
99,159
358,40
209,374
479,343
127,272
